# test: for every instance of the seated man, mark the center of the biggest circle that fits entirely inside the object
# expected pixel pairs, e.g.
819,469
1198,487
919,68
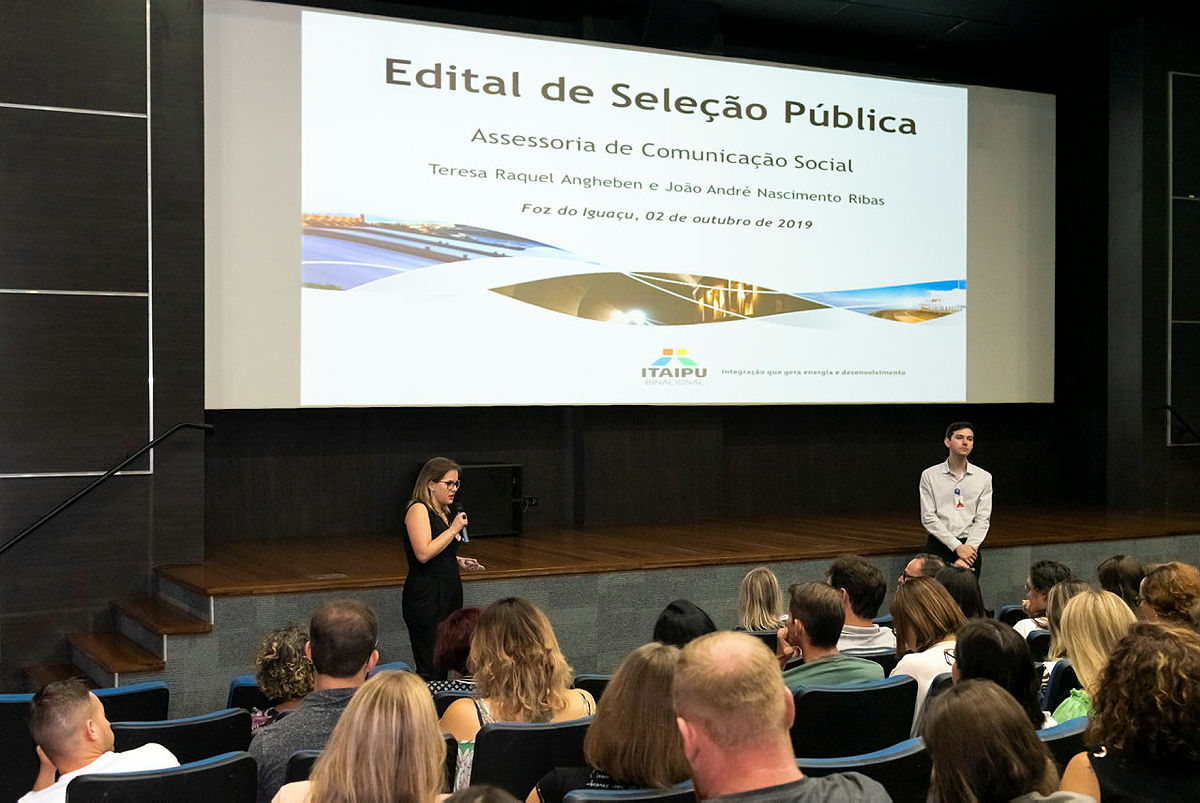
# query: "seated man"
74,738
922,565
863,589
1043,576
813,628
341,646
734,715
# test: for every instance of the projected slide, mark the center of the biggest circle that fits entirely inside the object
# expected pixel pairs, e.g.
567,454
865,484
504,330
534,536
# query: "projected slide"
488,219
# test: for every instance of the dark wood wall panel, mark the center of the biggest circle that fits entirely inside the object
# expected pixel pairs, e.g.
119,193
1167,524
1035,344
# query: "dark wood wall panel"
73,210
1185,259
1185,135
75,395
78,55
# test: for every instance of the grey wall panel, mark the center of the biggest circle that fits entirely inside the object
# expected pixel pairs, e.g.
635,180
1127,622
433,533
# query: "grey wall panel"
74,395
74,54
73,210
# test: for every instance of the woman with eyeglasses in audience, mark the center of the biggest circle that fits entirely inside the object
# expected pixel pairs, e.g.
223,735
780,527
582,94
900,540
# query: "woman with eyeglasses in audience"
991,650
634,742
926,619
520,676
1145,723
1092,624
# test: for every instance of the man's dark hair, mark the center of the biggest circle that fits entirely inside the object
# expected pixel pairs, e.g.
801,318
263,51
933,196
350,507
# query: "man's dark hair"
862,581
56,713
818,607
680,622
342,635
956,426
1045,574
930,564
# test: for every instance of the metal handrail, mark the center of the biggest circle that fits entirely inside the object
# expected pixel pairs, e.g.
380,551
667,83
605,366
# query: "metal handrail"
92,486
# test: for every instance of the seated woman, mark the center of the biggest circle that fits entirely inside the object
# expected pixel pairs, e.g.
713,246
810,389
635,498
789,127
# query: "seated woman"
1056,600
1043,576
520,676
451,648
991,650
963,585
925,618
1145,721
760,601
1092,624
984,748
634,742
361,760
1168,593
680,622
283,672
1122,575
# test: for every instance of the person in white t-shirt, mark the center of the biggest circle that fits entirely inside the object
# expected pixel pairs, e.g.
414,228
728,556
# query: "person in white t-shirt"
74,738
1043,576
862,589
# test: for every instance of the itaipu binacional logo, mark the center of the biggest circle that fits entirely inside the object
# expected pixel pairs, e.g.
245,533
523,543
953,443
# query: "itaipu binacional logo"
674,367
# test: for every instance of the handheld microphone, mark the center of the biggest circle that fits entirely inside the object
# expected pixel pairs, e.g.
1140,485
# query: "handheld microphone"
463,536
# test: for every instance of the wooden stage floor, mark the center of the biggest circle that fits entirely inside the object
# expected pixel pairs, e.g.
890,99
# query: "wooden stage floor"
283,565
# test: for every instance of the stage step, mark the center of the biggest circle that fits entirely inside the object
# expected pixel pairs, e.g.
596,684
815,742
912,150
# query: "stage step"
160,617
40,675
106,655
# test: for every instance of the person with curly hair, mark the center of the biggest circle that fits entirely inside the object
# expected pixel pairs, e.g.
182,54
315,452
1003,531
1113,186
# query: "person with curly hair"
283,672
1168,593
520,676
1145,722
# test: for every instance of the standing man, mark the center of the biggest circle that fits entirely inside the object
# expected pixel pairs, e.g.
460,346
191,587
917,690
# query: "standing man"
956,502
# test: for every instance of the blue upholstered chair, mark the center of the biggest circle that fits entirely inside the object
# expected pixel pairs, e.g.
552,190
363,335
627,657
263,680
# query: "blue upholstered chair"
850,720
883,621
397,666
1039,644
515,755
1062,680
245,693
680,793
593,684
443,699
1065,740
300,765
1010,614
190,738
229,778
138,702
903,769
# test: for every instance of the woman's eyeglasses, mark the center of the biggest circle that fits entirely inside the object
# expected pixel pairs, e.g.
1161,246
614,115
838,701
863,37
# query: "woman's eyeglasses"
453,485
950,656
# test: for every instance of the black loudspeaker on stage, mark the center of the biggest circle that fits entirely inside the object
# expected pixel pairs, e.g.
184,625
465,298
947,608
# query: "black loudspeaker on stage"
491,496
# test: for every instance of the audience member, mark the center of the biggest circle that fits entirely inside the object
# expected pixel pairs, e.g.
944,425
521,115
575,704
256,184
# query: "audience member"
991,650
1056,600
386,746
451,648
1043,576
680,622
633,743
922,565
520,676
926,618
759,600
984,748
73,738
1168,593
1092,624
1145,721
734,714
283,673
812,631
341,646
863,588
963,586
1122,575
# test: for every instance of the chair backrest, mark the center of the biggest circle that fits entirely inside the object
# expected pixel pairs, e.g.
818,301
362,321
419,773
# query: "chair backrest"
593,684
399,666
1010,614
1062,680
903,769
229,778
245,693
443,699
1039,644
884,621
515,755
854,719
139,702
191,738
679,793
17,746
451,760
768,637
885,657
1065,740
299,765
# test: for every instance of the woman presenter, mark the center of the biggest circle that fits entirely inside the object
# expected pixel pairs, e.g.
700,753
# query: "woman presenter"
433,590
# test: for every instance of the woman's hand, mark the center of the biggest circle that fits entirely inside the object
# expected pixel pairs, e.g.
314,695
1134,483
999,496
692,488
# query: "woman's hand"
470,564
460,523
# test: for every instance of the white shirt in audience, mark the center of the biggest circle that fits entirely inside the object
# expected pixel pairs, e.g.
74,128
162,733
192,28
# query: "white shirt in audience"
147,757
923,667
865,639
1027,626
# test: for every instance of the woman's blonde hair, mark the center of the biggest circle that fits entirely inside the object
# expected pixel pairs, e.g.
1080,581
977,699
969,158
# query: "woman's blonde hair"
1056,599
924,612
386,746
634,737
760,600
434,469
1092,624
517,664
